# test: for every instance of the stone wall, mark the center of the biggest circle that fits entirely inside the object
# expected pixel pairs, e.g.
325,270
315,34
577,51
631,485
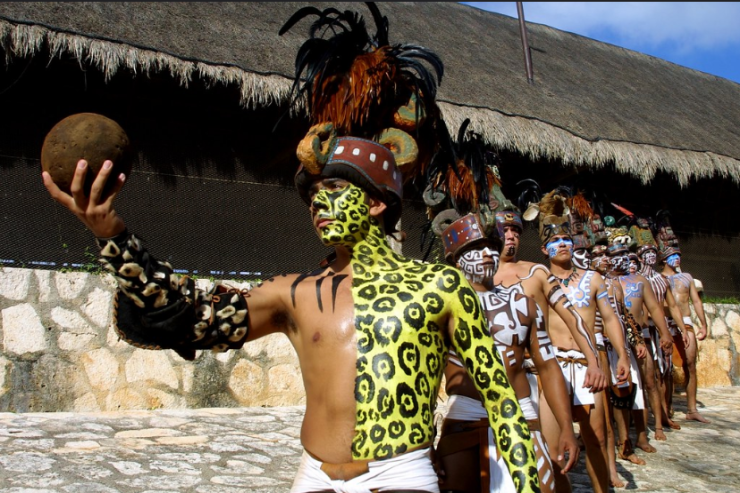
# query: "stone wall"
718,363
59,352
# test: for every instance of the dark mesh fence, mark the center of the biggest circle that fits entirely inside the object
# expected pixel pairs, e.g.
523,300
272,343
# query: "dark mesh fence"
204,225
239,228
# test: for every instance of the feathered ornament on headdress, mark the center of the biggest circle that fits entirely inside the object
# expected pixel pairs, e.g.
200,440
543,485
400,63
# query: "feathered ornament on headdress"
552,212
359,91
463,178
664,235
581,214
357,84
593,225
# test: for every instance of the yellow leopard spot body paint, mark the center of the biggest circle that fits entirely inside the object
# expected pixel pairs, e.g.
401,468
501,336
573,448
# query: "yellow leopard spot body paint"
401,308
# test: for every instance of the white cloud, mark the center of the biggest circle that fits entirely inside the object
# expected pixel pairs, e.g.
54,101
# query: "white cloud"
683,26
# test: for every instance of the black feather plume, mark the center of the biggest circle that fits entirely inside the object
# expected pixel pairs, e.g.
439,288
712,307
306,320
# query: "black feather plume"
531,193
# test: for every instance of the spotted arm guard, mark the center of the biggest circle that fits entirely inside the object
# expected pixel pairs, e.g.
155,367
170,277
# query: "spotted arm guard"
162,310
634,332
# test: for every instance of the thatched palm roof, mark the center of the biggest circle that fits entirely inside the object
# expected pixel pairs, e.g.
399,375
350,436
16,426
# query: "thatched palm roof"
592,104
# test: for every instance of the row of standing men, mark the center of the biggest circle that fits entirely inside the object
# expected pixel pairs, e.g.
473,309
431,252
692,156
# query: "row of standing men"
594,306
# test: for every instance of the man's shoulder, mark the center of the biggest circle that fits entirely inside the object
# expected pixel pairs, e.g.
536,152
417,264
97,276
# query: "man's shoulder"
419,266
527,270
596,280
640,278
429,271
594,275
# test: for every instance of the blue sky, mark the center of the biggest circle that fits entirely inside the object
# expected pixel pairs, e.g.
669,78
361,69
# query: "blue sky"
701,36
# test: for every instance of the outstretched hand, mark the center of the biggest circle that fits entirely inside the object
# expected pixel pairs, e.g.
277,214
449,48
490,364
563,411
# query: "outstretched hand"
95,211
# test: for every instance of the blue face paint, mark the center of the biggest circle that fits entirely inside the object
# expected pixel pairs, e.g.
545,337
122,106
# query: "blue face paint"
672,260
552,246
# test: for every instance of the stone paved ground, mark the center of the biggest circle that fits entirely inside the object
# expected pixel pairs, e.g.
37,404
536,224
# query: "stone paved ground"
229,450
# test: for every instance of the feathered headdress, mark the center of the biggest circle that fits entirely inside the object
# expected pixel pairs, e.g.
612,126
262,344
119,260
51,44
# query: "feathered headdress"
357,84
642,236
553,214
463,179
581,214
358,81
590,208
663,232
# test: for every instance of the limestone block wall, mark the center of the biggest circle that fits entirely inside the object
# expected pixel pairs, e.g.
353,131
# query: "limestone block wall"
718,362
59,352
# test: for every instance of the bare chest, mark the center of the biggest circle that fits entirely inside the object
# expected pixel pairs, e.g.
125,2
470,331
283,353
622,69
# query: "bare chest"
507,318
323,310
632,290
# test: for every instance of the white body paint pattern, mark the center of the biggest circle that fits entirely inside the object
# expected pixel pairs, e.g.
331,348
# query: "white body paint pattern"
580,295
680,279
555,295
658,283
505,312
506,292
534,269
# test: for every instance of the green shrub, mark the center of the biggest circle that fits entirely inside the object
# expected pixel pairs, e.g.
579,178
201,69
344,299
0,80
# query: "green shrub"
722,300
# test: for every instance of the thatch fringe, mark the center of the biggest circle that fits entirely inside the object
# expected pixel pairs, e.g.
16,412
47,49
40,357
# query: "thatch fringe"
530,137
538,140
256,90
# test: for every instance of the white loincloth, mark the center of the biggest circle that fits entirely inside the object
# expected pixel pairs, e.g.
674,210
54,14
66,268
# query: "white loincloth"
534,390
575,375
653,345
613,357
637,380
467,409
412,470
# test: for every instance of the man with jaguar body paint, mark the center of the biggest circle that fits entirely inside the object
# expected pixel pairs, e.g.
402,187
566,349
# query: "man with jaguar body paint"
685,293
468,455
586,291
371,329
